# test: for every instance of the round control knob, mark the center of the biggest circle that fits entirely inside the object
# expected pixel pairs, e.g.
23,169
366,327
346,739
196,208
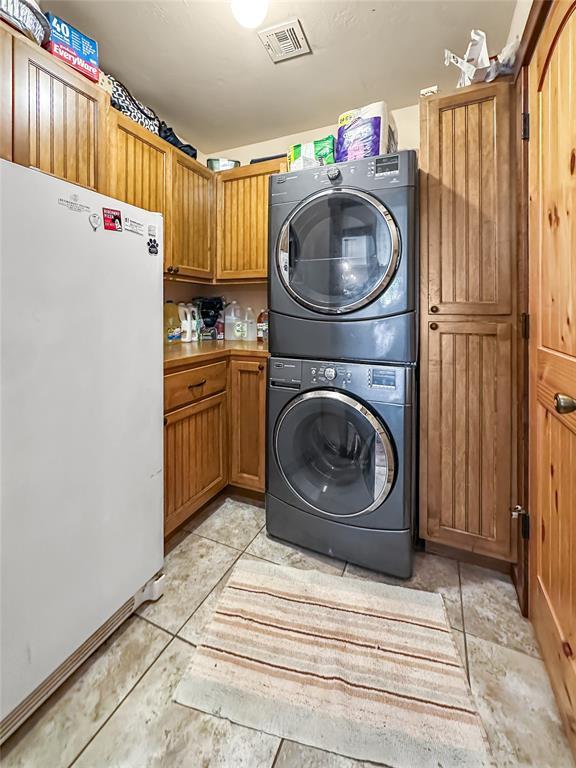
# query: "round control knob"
333,174
330,374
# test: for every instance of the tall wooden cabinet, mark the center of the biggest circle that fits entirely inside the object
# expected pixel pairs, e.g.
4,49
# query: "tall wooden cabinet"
242,220
469,325
247,423
59,118
5,94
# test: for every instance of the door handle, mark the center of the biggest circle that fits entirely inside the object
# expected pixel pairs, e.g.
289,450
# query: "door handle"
198,384
564,403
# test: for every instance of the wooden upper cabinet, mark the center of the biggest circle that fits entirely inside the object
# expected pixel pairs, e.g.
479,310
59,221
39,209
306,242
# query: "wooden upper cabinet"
242,220
140,169
5,94
192,218
248,423
59,118
468,201
466,459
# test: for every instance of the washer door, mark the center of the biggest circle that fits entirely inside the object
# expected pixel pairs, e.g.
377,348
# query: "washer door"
334,453
338,250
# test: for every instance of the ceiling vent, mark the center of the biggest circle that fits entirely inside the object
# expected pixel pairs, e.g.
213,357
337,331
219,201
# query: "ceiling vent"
285,41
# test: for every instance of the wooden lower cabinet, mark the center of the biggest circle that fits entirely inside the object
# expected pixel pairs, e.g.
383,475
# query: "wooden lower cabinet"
247,423
195,458
467,436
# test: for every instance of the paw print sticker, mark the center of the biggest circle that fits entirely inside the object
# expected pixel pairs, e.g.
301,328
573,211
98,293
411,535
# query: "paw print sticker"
152,246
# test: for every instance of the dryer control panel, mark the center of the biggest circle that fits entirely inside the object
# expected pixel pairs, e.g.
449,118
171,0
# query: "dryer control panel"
374,383
368,173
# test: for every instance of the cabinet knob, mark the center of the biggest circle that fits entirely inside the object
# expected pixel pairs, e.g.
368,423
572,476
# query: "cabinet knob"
434,308
170,269
260,367
165,421
433,326
176,270
564,403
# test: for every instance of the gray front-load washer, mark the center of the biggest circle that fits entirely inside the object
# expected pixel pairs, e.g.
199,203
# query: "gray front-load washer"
341,465
343,260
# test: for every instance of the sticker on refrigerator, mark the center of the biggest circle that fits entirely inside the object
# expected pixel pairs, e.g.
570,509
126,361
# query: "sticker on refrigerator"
151,230
130,225
112,219
73,204
95,221
152,246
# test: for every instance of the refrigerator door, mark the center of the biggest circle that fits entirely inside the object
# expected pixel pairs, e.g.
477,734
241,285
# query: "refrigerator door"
81,418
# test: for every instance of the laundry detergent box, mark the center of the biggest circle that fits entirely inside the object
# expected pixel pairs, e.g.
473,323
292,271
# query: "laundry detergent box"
70,45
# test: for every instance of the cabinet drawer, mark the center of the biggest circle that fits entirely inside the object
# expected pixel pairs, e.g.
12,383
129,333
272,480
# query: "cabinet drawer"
189,386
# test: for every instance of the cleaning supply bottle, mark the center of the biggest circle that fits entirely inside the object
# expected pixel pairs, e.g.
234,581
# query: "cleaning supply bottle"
262,325
250,333
232,322
172,325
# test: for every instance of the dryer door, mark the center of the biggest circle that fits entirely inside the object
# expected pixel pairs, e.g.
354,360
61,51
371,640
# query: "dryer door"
334,453
338,250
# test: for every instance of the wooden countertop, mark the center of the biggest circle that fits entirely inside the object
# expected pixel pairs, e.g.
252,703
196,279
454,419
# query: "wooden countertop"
179,354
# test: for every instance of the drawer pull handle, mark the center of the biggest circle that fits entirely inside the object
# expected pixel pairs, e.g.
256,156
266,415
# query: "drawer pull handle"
567,649
433,326
564,403
199,384
434,309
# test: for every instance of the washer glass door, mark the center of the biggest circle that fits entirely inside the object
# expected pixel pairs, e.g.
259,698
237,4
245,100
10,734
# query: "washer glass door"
338,250
334,453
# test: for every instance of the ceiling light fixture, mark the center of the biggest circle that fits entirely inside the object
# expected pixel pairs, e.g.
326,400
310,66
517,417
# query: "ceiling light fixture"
249,13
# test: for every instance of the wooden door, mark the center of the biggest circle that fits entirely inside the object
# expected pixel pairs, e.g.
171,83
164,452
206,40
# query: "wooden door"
469,330
195,465
242,220
59,118
5,93
192,218
248,423
553,352
140,169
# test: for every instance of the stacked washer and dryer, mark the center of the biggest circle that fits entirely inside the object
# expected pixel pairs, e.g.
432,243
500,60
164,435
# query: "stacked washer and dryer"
341,426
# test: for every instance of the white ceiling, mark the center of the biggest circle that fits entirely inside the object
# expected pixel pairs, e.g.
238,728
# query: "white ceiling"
214,83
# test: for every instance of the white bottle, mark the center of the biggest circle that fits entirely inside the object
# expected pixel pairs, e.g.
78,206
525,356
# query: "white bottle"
233,325
250,322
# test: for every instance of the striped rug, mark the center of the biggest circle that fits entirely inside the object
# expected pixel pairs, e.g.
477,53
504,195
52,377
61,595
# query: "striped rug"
361,669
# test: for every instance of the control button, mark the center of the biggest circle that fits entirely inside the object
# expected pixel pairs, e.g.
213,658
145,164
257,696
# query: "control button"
330,374
313,371
333,174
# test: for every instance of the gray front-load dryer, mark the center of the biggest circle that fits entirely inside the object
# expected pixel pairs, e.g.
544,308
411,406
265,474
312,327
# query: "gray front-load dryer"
341,466
343,260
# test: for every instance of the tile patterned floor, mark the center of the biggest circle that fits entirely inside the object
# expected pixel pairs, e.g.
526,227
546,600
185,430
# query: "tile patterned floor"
117,711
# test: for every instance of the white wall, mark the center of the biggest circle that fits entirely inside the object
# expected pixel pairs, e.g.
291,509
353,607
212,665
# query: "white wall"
519,19
407,120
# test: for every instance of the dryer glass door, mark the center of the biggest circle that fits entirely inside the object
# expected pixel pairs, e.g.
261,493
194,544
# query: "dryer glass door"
338,250
334,453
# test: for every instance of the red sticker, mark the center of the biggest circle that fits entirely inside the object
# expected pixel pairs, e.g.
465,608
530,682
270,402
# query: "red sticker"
112,219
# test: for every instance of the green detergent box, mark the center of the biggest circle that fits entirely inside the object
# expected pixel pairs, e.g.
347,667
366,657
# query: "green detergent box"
311,154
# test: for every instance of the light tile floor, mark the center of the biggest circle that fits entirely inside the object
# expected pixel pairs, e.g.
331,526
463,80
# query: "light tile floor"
117,711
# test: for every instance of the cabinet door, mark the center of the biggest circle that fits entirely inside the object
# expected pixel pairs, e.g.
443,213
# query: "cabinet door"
468,201
248,423
5,94
467,436
140,169
195,466
242,220
192,218
59,118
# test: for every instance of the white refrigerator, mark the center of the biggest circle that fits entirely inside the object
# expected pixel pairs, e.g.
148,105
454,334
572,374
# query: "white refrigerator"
81,427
